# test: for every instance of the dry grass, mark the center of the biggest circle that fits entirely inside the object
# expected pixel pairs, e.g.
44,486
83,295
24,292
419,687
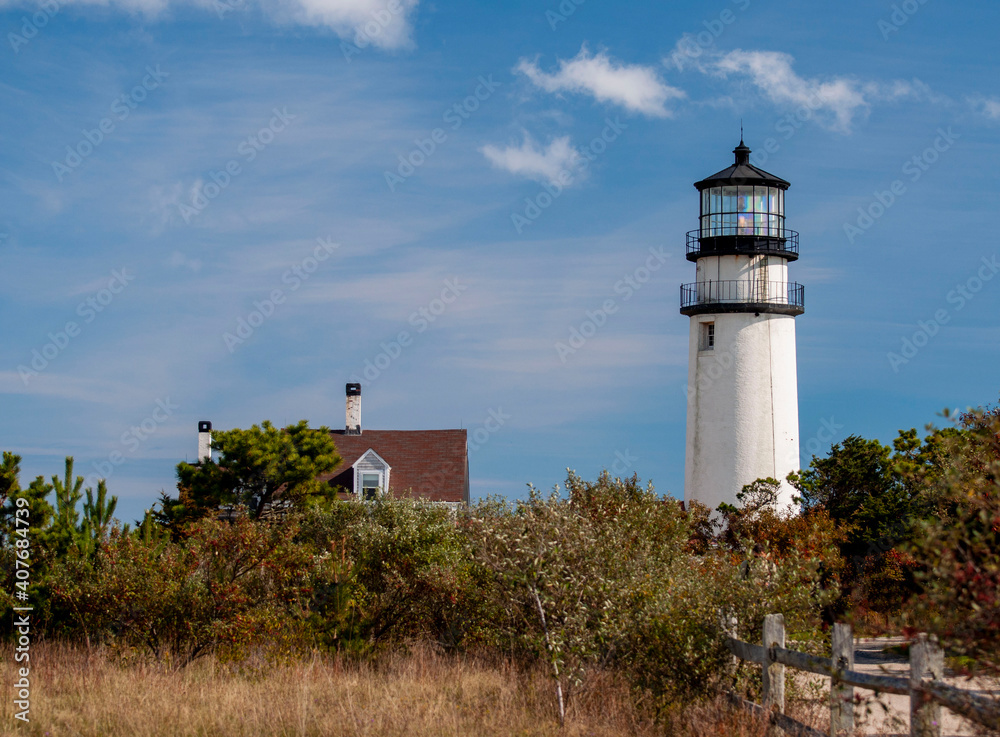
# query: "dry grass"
421,693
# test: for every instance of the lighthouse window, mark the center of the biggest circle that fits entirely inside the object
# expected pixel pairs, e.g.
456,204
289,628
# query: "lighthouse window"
774,202
742,210
760,199
707,336
745,199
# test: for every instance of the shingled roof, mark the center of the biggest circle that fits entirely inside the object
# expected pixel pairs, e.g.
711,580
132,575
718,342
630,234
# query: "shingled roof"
426,464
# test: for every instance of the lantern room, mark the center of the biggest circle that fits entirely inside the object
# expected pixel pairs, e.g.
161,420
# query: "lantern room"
742,211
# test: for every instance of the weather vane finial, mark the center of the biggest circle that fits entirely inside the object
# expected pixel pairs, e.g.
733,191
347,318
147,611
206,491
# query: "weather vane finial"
741,131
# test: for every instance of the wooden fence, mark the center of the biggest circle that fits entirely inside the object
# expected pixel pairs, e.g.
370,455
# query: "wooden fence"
924,686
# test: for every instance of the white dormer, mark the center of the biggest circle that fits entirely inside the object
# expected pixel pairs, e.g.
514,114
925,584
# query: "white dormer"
371,475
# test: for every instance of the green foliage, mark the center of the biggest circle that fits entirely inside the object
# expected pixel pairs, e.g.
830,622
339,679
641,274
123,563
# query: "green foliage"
548,571
857,484
957,548
876,494
98,516
402,569
606,576
228,588
65,528
10,472
258,468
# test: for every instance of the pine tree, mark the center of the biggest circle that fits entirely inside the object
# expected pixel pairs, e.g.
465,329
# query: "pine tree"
66,530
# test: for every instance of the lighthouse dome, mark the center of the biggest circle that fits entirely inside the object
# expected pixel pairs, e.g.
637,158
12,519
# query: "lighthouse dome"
742,172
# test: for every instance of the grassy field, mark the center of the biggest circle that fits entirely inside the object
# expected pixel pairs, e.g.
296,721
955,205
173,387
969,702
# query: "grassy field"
422,693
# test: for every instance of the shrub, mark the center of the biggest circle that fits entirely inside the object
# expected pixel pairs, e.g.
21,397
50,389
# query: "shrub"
227,588
405,571
957,550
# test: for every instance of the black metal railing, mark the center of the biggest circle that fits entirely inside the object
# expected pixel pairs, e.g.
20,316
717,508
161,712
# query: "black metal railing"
733,239
743,292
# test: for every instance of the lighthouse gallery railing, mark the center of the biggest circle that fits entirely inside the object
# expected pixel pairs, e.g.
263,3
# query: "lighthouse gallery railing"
742,291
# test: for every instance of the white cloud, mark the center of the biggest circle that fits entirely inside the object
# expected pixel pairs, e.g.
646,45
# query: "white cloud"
986,106
834,103
636,88
179,261
553,163
771,71
382,23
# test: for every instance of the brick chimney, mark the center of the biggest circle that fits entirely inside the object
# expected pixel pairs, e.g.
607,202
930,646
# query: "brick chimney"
204,441
353,409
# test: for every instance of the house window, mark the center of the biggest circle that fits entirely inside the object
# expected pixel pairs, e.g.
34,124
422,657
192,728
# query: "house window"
708,336
370,484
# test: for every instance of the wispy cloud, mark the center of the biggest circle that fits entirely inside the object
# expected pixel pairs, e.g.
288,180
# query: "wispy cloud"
835,103
842,98
634,87
179,261
558,162
382,23
986,106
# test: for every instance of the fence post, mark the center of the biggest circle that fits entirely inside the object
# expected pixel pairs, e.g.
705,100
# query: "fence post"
841,695
926,657
774,673
727,621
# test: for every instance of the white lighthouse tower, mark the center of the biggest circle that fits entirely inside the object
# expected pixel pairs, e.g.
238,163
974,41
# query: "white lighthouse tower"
742,410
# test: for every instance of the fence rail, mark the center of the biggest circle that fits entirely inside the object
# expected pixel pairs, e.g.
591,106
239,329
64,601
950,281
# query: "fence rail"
926,696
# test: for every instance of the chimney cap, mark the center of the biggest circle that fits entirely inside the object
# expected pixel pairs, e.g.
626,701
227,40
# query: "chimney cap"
204,426
354,390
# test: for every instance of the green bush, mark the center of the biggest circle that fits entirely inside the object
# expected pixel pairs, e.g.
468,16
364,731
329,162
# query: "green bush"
229,587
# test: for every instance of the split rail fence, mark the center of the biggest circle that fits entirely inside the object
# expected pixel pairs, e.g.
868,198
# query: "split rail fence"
924,686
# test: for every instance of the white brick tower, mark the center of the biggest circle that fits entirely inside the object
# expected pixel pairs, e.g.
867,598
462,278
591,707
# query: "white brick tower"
742,410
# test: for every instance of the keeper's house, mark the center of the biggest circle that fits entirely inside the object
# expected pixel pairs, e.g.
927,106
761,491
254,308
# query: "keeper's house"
420,464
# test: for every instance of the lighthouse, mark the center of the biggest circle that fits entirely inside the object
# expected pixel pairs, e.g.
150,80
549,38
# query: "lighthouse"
742,392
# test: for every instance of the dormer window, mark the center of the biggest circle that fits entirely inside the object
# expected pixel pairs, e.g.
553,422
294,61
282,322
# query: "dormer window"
371,475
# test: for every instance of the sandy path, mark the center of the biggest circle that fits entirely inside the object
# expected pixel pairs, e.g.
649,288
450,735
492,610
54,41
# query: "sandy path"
889,714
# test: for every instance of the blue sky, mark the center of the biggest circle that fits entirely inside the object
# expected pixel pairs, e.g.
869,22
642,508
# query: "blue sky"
227,210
